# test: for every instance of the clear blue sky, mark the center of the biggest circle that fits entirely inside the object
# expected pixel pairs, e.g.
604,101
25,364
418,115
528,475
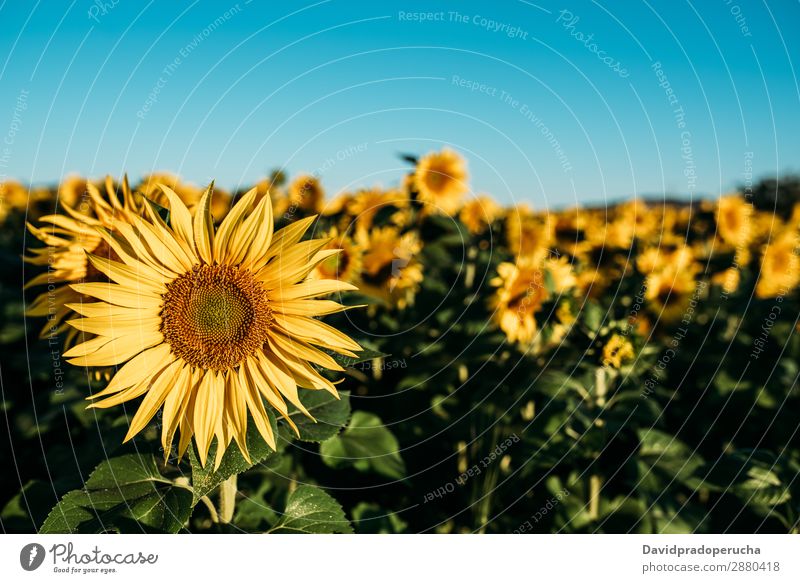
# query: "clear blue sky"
340,88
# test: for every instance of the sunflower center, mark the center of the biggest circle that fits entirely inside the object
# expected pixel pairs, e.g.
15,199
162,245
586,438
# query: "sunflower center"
215,316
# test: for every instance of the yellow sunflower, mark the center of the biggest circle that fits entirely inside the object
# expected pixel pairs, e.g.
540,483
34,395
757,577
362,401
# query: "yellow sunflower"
210,322
306,194
367,203
440,180
728,279
68,239
734,220
344,266
617,351
13,197
780,266
519,296
479,213
562,273
529,235
390,269
669,292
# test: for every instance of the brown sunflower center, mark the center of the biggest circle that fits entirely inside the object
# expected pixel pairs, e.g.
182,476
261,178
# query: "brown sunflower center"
215,316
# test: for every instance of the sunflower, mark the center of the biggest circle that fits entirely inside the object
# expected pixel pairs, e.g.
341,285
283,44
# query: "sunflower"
733,220
13,197
440,180
728,279
662,258
367,203
209,322
149,188
390,270
306,193
68,239
479,213
562,274
669,292
616,351
344,266
780,267
636,212
529,235
520,295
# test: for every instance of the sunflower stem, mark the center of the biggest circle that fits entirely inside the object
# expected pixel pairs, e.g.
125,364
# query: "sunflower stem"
595,481
227,499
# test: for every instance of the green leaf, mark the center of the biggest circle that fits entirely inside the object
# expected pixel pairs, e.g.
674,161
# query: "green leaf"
331,415
311,510
123,494
205,479
367,445
752,475
668,453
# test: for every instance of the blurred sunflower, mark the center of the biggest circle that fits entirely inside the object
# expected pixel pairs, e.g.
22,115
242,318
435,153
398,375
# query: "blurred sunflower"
367,203
669,292
728,279
616,351
345,265
440,180
519,296
780,266
529,235
72,190
561,273
733,216
306,194
390,269
208,322
13,198
479,213
68,239
644,220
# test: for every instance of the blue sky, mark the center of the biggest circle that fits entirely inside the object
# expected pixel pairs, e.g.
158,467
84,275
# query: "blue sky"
662,97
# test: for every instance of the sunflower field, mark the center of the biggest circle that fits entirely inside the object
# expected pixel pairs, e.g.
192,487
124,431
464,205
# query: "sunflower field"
396,360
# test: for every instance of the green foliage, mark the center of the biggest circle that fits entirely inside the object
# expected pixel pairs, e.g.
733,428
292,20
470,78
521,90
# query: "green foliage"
367,445
330,415
123,494
311,510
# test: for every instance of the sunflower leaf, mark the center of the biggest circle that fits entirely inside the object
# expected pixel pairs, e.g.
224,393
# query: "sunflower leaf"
123,494
312,510
205,479
331,415
367,445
